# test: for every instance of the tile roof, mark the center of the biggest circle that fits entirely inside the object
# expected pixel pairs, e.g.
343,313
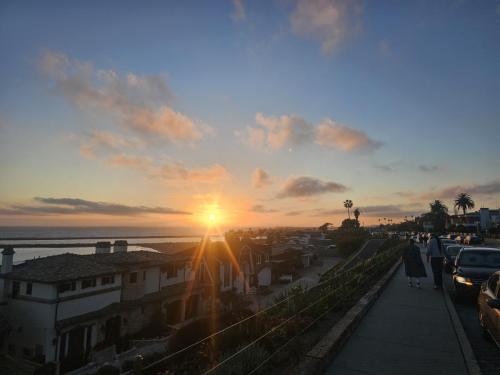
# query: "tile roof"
56,268
65,267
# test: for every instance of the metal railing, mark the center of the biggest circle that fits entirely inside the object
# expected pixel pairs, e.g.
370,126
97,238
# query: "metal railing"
262,341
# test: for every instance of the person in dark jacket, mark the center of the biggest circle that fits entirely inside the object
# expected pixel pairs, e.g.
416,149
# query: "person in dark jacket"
414,267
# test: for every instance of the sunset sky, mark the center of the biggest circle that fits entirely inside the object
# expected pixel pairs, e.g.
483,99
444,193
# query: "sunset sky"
264,112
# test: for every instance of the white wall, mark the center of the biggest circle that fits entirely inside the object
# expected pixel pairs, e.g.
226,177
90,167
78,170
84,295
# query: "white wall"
32,324
80,306
152,280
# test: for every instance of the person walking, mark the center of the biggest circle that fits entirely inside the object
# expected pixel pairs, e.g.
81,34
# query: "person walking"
436,256
414,267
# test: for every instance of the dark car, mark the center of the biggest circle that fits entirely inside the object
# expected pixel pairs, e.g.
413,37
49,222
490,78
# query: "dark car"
473,266
489,307
450,253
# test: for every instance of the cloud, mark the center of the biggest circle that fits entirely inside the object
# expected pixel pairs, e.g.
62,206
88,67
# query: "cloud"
260,178
304,186
332,134
58,206
384,168
328,21
490,188
238,11
294,213
375,211
277,132
99,142
261,209
136,102
428,168
138,162
177,171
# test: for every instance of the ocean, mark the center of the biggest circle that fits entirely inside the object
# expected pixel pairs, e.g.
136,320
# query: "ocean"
34,242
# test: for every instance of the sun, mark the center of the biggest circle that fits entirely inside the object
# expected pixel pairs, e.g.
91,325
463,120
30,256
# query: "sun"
212,216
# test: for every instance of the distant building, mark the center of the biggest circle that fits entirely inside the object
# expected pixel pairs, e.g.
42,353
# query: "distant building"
481,220
62,308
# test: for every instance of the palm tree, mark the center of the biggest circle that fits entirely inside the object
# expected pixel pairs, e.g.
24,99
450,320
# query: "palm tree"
356,213
464,202
348,205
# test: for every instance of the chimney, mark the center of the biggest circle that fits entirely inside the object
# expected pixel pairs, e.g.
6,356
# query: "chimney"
103,247
120,246
7,259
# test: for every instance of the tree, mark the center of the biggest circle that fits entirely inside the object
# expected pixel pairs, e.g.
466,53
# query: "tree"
464,202
356,213
438,215
324,227
348,205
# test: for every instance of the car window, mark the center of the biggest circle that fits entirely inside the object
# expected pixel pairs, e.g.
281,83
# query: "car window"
453,250
480,259
492,283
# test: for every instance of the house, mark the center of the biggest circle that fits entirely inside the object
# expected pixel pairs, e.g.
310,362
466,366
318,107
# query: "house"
254,267
64,308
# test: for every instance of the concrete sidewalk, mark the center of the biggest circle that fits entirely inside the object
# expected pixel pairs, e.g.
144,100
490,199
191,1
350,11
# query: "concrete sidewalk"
407,331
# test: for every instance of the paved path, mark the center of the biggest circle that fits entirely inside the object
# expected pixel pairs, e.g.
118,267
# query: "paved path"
408,331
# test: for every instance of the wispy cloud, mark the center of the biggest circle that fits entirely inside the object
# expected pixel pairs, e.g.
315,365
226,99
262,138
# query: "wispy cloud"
260,178
238,13
170,171
177,171
305,186
344,138
328,21
390,211
136,102
98,142
61,206
262,209
490,188
428,168
383,168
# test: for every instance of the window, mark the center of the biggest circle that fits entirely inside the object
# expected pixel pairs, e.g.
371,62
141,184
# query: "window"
267,258
259,259
15,289
227,270
11,348
65,287
88,283
171,270
492,283
29,288
108,280
27,352
133,278
143,275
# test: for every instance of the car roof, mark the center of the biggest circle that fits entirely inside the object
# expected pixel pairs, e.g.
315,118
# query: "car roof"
492,249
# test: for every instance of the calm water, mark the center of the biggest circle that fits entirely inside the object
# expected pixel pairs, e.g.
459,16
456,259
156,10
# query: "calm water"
19,236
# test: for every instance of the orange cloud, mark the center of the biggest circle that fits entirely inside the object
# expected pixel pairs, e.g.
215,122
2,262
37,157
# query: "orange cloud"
260,178
332,134
137,102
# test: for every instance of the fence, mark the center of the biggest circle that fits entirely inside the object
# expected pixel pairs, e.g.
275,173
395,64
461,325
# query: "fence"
274,337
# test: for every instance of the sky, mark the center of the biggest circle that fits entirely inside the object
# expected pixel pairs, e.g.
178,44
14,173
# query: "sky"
245,113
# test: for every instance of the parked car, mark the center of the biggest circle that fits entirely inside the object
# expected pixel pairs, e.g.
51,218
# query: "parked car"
446,242
472,240
489,308
450,253
473,266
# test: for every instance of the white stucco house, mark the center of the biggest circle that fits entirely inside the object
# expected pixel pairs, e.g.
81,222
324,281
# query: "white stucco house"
61,309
